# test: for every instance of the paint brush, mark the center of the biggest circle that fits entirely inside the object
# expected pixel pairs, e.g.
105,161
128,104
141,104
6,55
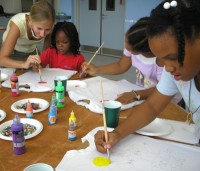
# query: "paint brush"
104,119
40,74
82,73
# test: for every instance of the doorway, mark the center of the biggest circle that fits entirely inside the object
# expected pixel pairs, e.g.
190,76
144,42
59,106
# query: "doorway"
102,21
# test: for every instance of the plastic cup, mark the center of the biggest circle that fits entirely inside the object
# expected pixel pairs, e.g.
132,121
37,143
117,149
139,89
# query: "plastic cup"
63,79
112,111
39,167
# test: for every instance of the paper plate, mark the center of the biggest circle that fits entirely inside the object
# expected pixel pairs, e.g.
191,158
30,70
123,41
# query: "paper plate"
39,167
75,84
4,77
157,127
2,115
43,104
33,122
34,87
40,89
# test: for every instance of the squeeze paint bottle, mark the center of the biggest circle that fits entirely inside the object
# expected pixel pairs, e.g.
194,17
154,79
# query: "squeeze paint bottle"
52,116
18,136
60,94
14,85
72,127
29,110
54,101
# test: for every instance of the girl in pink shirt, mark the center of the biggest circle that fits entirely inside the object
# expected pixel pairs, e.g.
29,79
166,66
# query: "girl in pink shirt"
136,49
137,54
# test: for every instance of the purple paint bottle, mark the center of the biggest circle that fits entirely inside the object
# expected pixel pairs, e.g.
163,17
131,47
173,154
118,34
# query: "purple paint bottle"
18,136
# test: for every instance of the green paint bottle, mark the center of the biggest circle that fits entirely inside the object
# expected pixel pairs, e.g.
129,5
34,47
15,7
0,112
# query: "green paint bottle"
60,95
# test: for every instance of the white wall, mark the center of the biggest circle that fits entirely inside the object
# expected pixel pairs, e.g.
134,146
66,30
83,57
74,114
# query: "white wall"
135,9
11,6
65,6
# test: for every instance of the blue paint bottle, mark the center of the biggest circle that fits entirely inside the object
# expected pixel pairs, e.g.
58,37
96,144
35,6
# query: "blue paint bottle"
54,101
52,116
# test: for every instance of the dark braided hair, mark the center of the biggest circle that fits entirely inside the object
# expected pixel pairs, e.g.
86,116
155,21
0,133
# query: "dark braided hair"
181,21
70,30
136,36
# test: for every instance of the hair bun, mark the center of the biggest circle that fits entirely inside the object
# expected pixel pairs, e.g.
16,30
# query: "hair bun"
173,4
168,5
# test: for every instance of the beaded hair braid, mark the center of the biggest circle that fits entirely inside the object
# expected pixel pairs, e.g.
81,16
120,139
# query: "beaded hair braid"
180,18
70,30
136,36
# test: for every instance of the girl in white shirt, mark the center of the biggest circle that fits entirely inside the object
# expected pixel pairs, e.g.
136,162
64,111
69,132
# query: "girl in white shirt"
174,37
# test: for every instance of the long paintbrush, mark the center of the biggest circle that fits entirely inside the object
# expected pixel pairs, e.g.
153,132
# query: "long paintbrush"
82,73
39,68
104,119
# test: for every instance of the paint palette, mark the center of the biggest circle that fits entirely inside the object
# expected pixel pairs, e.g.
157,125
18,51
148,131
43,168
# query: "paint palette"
2,115
41,105
36,125
156,128
4,77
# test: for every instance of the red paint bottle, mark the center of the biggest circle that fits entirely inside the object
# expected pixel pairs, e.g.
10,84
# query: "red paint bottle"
14,85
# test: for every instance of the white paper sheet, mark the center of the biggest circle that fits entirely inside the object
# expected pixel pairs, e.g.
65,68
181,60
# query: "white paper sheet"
110,89
32,78
134,153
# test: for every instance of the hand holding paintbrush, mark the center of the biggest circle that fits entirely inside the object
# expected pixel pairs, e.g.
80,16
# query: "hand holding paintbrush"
104,119
39,67
82,73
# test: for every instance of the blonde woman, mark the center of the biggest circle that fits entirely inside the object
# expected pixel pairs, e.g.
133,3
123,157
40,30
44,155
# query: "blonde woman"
24,31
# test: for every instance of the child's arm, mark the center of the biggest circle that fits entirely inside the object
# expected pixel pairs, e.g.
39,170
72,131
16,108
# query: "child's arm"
111,69
8,47
129,97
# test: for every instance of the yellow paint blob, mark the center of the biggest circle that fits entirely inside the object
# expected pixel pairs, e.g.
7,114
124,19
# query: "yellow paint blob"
101,161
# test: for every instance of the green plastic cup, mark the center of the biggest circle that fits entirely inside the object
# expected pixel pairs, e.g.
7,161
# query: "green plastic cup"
112,111
63,79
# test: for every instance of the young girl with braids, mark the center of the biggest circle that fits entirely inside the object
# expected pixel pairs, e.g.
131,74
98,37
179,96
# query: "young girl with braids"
138,55
64,52
174,37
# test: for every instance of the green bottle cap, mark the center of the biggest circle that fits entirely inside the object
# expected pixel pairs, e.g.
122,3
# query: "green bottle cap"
59,83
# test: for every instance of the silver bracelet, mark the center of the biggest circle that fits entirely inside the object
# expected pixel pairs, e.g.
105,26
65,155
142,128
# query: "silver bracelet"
137,96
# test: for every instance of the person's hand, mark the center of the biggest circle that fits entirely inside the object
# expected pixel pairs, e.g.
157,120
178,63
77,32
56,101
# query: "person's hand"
126,98
100,142
36,67
89,69
82,74
31,61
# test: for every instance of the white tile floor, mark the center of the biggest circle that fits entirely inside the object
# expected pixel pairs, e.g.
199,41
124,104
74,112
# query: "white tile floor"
103,60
